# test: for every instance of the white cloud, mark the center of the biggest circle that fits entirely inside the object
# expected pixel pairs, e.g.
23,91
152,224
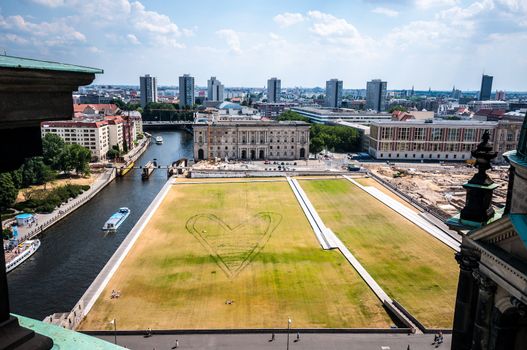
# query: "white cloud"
385,11
426,4
152,21
49,3
54,33
133,39
288,19
232,39
130,16
328,25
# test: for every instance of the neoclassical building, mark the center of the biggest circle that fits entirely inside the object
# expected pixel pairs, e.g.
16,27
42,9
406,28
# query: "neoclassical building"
251,140
491,304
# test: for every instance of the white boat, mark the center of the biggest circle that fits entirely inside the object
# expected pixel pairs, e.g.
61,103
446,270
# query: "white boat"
116,219
159,140
26,249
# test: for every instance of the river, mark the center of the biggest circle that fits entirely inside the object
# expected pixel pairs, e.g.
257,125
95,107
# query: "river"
74,250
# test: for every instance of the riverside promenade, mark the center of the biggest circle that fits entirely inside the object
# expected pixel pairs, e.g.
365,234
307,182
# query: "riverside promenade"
44,221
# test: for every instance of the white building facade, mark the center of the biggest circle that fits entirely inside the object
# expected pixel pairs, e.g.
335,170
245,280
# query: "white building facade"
95,136
251,140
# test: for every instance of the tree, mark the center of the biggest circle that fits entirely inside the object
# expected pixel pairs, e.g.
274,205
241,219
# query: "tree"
16,176
290,115
8,191
36,172
114,152
52,148
80,158
398,108
316,145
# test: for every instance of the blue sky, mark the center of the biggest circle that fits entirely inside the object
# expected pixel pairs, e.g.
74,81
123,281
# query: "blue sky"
426,43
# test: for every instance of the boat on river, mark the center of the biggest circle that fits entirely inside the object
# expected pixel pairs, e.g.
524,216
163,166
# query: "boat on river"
113,223
125,169
24,252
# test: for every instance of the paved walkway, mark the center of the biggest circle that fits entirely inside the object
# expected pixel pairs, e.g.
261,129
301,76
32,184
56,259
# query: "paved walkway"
43,221
410,215
315,341
311,214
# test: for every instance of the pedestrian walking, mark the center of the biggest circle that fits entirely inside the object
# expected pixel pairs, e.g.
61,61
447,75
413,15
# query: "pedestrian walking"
272,337
297,336
176,345
408,348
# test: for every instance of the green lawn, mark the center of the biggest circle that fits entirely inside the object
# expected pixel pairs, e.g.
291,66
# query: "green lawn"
245,242
410,265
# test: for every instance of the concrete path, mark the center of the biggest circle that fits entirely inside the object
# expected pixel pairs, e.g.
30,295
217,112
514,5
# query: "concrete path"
314,341
409,214
311,214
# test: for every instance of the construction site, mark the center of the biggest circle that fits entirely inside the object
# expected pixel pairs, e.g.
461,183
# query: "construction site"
438,187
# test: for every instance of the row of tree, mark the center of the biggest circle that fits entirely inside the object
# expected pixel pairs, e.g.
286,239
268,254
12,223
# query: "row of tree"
334,138
57,157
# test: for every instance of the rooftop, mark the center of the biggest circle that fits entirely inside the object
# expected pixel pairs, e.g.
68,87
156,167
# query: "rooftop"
338,111
28,63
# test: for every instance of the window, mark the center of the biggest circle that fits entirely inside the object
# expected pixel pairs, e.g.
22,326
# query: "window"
403,133
420,134
437,134
469,135
386,133
453,134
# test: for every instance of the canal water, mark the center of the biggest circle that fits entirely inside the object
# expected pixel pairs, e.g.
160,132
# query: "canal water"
74,250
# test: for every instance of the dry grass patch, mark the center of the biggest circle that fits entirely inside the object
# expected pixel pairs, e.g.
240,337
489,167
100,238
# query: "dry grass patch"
248,243
410,265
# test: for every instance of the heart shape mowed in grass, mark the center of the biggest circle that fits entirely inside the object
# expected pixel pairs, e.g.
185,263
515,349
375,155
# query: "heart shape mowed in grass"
233,248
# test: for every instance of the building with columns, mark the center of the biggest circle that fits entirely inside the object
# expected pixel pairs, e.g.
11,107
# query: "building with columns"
251,140
491,303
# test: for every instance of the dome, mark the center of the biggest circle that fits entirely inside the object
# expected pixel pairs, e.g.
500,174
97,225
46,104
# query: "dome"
229,105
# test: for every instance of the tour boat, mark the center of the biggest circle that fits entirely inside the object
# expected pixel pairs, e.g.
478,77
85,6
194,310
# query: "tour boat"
26,249
159,140
116,219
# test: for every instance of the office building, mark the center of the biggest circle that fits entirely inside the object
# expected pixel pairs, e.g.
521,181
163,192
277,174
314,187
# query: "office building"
439,139
330,115
251,140
214,90
186,91
273,110
489,105
334,93
273,90
148,90
376,95
486,88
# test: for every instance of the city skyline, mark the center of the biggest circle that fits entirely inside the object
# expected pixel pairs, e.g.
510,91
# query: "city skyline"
247,44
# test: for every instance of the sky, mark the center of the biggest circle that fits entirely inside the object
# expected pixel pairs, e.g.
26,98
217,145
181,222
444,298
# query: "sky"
421,43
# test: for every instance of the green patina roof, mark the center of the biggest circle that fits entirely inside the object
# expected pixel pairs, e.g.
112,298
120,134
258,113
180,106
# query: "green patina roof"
28,63
64,338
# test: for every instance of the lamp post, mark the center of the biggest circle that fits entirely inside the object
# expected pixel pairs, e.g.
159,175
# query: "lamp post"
288,328
114,322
